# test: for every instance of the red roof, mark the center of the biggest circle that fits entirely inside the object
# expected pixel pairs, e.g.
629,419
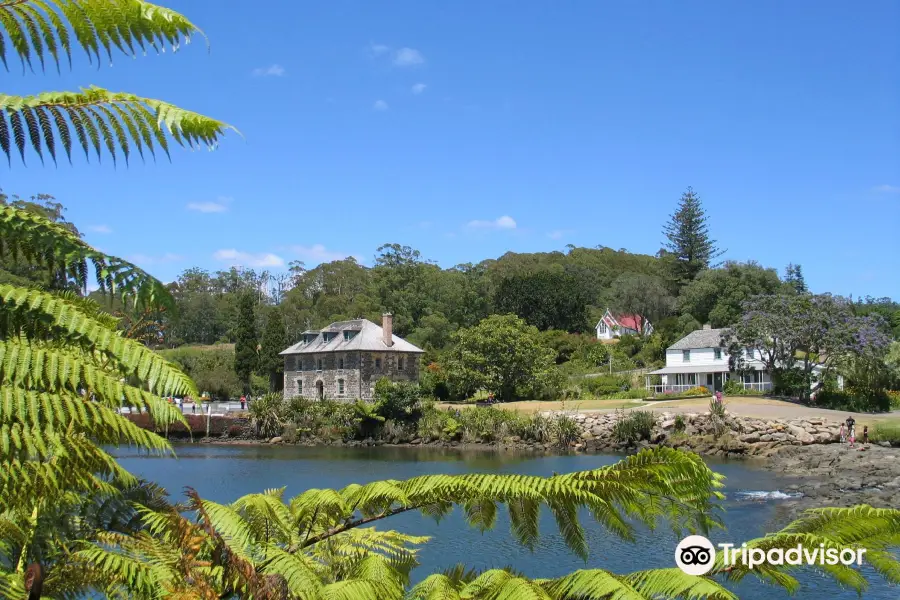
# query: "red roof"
630,321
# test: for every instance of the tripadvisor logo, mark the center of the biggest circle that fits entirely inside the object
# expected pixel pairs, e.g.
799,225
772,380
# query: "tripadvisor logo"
696,555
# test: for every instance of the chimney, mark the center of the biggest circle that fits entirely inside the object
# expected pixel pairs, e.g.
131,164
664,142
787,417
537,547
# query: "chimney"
707,327
387,328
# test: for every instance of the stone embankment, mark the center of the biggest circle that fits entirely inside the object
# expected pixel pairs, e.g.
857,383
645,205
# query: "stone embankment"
702,432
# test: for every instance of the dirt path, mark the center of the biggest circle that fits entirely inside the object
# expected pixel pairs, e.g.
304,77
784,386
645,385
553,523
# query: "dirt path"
764,408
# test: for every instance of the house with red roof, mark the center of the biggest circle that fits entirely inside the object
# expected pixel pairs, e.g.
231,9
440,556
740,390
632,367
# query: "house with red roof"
612,326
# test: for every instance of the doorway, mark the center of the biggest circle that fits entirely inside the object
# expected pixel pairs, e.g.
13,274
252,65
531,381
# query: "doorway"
320,390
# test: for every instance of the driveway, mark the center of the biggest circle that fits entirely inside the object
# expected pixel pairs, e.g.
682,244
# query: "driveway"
760,408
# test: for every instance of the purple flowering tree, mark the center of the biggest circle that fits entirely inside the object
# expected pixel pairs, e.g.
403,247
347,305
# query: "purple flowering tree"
795,333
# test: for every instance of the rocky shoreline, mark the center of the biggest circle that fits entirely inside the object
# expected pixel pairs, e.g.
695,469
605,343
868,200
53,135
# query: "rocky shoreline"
826,472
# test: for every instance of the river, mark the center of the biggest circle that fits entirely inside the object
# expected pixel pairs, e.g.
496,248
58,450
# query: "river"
223,473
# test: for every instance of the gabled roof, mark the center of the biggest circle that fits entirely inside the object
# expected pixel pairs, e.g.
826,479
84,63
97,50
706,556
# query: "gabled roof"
629,321
701,338
369,337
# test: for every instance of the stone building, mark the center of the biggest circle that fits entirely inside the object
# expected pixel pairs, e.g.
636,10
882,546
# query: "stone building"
344,360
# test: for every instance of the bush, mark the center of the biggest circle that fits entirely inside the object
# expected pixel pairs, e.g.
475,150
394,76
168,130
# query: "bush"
894,399
633,426
632,394
606,384
679,426
854,400
885,432
733,387
397,401
566,431
289,433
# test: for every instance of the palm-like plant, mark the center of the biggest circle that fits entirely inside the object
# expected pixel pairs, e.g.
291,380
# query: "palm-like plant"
38,32
65,373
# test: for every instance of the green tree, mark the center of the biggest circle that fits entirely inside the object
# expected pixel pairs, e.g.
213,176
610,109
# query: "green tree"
246,346
793,277
689,247
644,296
274,340
503,355
547,299
716,295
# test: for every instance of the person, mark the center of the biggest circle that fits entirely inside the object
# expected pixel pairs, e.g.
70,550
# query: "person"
843,434
243,402
719,397
851,430
194,408
865,434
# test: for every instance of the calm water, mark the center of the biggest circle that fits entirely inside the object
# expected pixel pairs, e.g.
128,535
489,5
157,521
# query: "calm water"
223,473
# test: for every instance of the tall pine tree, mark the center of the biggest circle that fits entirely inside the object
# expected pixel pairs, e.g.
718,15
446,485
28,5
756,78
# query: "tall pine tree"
246,347
689,248
274,340
794,278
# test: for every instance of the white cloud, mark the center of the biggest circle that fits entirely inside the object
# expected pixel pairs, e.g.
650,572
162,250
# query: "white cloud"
378,49
147,260
558,234
380,105
247,259
99,228
888,189
220,205
504,222
317,253
408,57
270,71
418,88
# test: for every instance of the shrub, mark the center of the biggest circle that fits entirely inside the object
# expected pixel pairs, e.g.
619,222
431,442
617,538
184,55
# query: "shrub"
733,387
606,384
632,394
885,432
289,433
565,431
894,399
679,424
854,400
633,426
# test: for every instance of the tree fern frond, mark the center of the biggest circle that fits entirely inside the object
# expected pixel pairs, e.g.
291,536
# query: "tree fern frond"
38,25
116,119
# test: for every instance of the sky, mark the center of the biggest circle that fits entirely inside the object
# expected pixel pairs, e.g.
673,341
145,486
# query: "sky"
468,129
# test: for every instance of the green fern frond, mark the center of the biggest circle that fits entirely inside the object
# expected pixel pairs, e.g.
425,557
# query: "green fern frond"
120,120
35,238
859,527
36,26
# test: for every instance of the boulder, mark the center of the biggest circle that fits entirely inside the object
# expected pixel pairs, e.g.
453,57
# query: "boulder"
275,440
668,424
750,438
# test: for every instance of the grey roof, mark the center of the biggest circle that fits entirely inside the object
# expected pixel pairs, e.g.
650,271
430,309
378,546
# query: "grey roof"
701,338
369,338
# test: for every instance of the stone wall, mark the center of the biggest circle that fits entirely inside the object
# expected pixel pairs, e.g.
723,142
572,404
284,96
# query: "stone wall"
359,373
734,437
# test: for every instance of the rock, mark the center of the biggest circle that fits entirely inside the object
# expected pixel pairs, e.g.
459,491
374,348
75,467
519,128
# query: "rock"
750,438
668,424
275,440
766,438
416,441
597,431
884,444
586,435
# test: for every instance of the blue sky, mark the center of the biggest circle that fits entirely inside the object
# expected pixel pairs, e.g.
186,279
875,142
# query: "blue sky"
467,129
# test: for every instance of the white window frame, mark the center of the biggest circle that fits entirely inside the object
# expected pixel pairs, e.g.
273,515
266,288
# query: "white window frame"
685,356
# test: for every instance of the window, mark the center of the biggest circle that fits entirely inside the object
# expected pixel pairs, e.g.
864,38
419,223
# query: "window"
340,387
602,327
319,362
686,355
718,353
749,350
348,335
709,379
377,363
399,363
341,362
299,386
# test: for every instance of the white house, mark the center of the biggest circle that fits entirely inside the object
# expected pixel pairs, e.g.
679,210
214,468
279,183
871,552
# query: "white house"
612,326
699,358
